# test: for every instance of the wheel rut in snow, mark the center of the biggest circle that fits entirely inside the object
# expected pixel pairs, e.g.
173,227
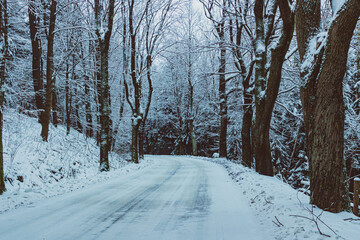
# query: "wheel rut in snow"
135,201
175,198
187,203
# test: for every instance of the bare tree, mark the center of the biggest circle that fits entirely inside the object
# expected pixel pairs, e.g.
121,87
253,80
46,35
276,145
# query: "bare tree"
4,53
137,113
103,39
267,81
49,72
86,75
155,22
324,58
237,27
220,27
191,84
34,23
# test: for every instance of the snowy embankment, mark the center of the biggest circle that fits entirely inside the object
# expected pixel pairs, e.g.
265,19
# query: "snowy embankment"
289,210
35,169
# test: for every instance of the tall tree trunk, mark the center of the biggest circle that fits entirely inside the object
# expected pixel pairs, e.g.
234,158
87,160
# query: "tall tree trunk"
246,139
220,28
181,137
76,117
191,122
88,115
247,154
267,85
105,111
134,141
89,126
181,150
124,74
67,100
322,99
141,141
147,109
260,132
78,125
222,94
4,54
104,46
2,180
191,99
49,72
307,27
98,88
246,74
357,75
137,115
54,104
36,58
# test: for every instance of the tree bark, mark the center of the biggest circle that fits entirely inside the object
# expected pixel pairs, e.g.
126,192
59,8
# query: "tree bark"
89,126
307,27
246,74
36,58
78,125
261,142
181,144
151,89
135,141
4,54
124,73
49,73
98,96
88,114
267,85
191,102
76,115
222,92
220,28
67,100
104,46
137,114
247,154
322,98
54,103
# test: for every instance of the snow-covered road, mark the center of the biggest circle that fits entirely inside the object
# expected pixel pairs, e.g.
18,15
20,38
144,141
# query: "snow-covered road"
175,198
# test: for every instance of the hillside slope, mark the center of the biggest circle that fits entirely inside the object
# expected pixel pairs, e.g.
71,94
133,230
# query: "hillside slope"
35,169
288,210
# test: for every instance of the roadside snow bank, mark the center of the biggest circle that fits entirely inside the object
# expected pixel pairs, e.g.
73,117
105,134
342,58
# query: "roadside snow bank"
288,210
35,169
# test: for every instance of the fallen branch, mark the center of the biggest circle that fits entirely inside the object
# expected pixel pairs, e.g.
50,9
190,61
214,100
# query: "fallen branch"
253,199
352,219
267,201
313,220
278,225
279,221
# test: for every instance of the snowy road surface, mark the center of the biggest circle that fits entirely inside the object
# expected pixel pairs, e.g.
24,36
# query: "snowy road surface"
175,198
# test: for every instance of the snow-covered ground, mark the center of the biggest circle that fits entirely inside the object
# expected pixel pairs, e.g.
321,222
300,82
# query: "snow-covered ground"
35,169
289,211
175,198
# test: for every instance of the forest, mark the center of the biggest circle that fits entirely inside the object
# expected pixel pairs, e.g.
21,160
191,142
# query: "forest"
273,85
